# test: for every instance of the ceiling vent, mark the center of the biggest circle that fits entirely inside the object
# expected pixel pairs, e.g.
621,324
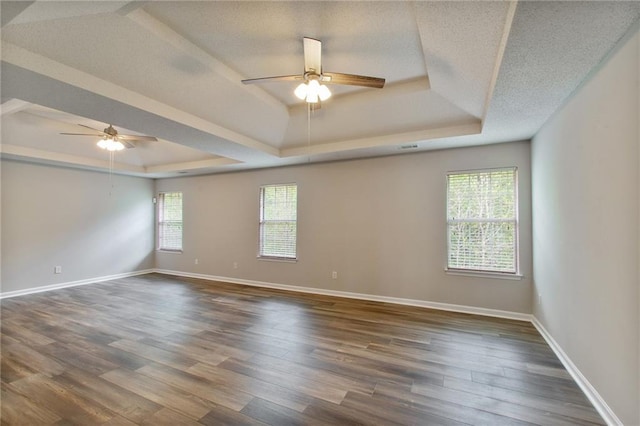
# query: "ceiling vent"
409,146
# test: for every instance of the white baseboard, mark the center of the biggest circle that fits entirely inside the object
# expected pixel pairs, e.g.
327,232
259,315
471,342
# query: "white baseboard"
362,296
592,394
16,293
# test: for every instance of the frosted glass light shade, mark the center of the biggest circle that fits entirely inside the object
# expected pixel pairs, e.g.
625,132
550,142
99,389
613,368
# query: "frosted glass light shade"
116,146
324,93
312,97
110,144
301,91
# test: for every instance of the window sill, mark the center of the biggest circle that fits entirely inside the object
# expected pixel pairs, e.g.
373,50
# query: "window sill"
481,274
278,259
169,251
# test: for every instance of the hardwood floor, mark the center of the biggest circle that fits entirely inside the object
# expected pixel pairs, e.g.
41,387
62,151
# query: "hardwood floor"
160,350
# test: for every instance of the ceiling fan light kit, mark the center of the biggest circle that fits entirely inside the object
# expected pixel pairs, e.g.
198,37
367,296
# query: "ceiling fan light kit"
110,144
312,91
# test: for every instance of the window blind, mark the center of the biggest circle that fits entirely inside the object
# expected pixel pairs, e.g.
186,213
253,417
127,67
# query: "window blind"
482,220
170,221
278,221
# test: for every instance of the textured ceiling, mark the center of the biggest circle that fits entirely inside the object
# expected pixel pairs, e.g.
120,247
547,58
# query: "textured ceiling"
458,74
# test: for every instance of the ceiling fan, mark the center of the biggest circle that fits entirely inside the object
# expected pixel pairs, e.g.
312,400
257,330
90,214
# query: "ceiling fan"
112,140
312,88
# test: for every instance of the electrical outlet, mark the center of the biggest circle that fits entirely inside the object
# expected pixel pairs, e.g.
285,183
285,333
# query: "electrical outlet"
196,261
235,265
334,275
57,269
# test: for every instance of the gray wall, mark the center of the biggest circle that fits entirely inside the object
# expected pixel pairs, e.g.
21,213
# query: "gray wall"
585,171
75,219
380,223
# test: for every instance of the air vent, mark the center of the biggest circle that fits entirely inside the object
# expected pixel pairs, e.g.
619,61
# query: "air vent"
409,146
183,172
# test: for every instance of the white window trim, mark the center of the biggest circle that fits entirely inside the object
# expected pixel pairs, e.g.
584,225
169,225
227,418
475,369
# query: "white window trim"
517,274
158,248
281,259
169,251
484,274
277,259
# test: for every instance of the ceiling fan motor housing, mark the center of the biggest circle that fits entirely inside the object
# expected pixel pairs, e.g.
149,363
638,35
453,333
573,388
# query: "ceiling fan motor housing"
111,131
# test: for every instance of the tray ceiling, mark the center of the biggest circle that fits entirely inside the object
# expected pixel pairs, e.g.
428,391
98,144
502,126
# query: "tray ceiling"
457,73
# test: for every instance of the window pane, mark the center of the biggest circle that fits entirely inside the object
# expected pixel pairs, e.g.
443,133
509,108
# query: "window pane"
482,220
171,235
487,195
482,246
278,239
278,216
280,202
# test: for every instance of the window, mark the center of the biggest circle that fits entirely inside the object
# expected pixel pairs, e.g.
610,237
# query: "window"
278,221
482,221
170,221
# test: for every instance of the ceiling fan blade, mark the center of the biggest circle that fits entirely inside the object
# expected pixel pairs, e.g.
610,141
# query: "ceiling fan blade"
353,80
273,79
83,134
137,138
99,131
312,55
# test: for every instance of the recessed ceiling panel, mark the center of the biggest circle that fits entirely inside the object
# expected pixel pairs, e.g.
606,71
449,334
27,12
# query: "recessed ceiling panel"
261,39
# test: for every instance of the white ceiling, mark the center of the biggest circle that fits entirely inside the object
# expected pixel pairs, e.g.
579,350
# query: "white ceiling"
457,74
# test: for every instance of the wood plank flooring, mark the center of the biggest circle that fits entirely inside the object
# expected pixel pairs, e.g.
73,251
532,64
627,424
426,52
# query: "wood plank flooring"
161,350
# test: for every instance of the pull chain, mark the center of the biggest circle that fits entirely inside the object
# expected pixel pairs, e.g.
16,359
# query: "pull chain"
110,172
308,132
